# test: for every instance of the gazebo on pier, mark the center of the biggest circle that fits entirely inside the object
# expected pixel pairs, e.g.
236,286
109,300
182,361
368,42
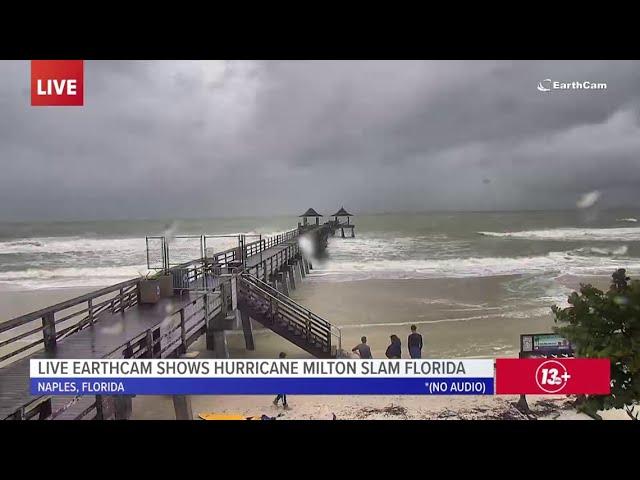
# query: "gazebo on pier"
308,214
341,225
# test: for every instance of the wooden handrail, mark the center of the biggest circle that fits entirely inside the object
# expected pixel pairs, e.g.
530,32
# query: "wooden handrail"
17,321
125,292
283,300
282,297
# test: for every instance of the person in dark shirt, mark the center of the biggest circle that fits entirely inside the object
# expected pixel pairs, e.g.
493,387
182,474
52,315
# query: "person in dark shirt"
415,343
282,396
363,349
394,350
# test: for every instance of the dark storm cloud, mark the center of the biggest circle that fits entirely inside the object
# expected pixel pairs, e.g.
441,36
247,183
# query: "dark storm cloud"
161,139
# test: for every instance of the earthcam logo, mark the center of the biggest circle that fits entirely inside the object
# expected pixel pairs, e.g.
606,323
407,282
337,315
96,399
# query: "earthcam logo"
57,83
548,85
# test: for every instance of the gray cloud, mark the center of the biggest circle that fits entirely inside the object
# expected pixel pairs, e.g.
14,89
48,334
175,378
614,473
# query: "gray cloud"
161,139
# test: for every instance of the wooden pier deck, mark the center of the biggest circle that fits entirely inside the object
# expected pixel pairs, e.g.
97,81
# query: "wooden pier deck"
114,323
107,337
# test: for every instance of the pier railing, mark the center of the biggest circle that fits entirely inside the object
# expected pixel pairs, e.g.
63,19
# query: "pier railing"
266,243
180,329
29,333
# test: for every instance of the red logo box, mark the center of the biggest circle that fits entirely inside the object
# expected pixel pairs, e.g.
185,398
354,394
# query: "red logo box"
57,83
561,376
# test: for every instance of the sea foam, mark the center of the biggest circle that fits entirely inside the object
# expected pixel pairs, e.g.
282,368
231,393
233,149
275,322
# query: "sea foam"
572,234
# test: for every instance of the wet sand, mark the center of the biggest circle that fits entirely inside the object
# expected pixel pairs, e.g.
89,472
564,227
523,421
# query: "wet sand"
14,302
470,317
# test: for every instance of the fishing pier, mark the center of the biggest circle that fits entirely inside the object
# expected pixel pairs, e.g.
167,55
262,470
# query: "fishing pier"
162,315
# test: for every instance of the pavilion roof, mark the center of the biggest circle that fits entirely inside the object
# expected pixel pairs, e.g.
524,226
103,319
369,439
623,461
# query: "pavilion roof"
311,213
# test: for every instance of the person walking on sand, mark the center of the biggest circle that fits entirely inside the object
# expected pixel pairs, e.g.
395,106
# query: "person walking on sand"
362,348
415,343
394,350
282,396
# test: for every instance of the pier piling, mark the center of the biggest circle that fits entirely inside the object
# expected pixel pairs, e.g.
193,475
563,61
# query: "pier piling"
182,407
248,331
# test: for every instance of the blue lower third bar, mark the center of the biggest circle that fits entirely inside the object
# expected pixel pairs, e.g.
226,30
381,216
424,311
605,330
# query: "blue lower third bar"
262,386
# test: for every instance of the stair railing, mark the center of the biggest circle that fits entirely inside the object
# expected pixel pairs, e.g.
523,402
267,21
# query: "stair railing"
314,326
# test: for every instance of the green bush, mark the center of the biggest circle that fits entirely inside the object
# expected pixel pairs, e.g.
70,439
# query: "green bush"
607,325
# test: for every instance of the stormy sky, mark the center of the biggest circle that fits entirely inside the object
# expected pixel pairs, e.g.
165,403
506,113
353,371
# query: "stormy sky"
159,139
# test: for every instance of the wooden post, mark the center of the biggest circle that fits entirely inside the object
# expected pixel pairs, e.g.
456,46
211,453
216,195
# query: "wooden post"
301,266
49,331
210,336
292,279
44,410
99,408
246,328
183,333
106,407
282,281
91,317
182,407
221,349
123,407
522,404
234,292
223,298
149,342
157,347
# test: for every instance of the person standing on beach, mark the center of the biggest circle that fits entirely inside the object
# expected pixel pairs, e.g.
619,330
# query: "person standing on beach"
394,350
415,343
362,348
282,396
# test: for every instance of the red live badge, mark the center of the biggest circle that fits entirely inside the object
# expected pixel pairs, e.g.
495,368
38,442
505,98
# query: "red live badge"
57,82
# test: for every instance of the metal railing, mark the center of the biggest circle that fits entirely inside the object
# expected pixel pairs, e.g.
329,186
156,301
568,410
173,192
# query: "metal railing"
315,328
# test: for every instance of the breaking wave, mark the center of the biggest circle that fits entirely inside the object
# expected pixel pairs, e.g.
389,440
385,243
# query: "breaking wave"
572,234
72,277
72,244
560,263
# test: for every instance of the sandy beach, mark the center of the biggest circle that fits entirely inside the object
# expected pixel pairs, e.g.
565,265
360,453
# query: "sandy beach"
15,302
372,407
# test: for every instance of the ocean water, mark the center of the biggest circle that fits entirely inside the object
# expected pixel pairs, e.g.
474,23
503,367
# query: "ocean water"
471,282
541,246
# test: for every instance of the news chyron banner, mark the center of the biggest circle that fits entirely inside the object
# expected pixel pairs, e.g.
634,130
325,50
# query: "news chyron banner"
319,377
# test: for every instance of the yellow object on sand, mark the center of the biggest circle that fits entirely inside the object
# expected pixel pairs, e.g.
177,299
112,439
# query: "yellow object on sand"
228,416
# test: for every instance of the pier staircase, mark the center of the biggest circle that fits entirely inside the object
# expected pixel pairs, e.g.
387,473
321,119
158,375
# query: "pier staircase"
290,320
